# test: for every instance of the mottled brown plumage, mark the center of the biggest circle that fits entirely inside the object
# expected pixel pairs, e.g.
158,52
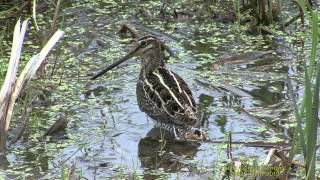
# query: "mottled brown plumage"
161,93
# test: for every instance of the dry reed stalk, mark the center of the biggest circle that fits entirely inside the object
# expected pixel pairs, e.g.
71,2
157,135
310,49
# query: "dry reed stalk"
12,87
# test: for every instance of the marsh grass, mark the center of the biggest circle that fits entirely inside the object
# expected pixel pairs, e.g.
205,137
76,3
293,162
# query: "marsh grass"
13,86
134,174
34,16
121,174
64,171
236,7
310,103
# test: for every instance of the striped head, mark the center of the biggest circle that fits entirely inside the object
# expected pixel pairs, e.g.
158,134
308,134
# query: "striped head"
149,48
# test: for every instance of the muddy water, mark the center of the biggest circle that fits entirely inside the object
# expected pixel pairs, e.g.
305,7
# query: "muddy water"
108,136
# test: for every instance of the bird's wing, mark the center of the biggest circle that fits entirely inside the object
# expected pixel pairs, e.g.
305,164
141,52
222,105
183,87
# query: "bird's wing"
172,95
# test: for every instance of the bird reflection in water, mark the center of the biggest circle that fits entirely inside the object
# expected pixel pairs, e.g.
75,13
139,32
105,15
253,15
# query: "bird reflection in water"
160,150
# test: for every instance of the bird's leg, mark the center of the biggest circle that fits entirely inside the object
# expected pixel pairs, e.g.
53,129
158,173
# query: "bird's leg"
175,133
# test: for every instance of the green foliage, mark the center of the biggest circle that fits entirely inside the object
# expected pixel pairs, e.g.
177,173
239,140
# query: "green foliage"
236,7
310,103
270,14
64,171
314,24
34,16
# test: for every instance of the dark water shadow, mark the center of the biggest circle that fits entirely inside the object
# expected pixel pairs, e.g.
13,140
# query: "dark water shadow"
166,153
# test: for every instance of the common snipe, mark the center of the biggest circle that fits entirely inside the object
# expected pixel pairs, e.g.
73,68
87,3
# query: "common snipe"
161,93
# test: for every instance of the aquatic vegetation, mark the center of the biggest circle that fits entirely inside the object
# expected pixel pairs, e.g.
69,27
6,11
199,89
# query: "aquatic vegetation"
106,134
307,138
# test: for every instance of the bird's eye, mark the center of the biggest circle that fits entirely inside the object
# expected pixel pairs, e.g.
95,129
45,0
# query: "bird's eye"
143,43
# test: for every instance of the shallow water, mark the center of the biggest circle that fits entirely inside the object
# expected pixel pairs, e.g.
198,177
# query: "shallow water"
107,133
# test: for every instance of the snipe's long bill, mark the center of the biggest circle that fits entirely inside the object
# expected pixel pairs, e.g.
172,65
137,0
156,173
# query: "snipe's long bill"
161,93
115,64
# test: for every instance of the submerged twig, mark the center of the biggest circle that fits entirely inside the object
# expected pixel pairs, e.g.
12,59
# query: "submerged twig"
252,144
46,34
59,126
55,17
125,27
229,148
292,20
